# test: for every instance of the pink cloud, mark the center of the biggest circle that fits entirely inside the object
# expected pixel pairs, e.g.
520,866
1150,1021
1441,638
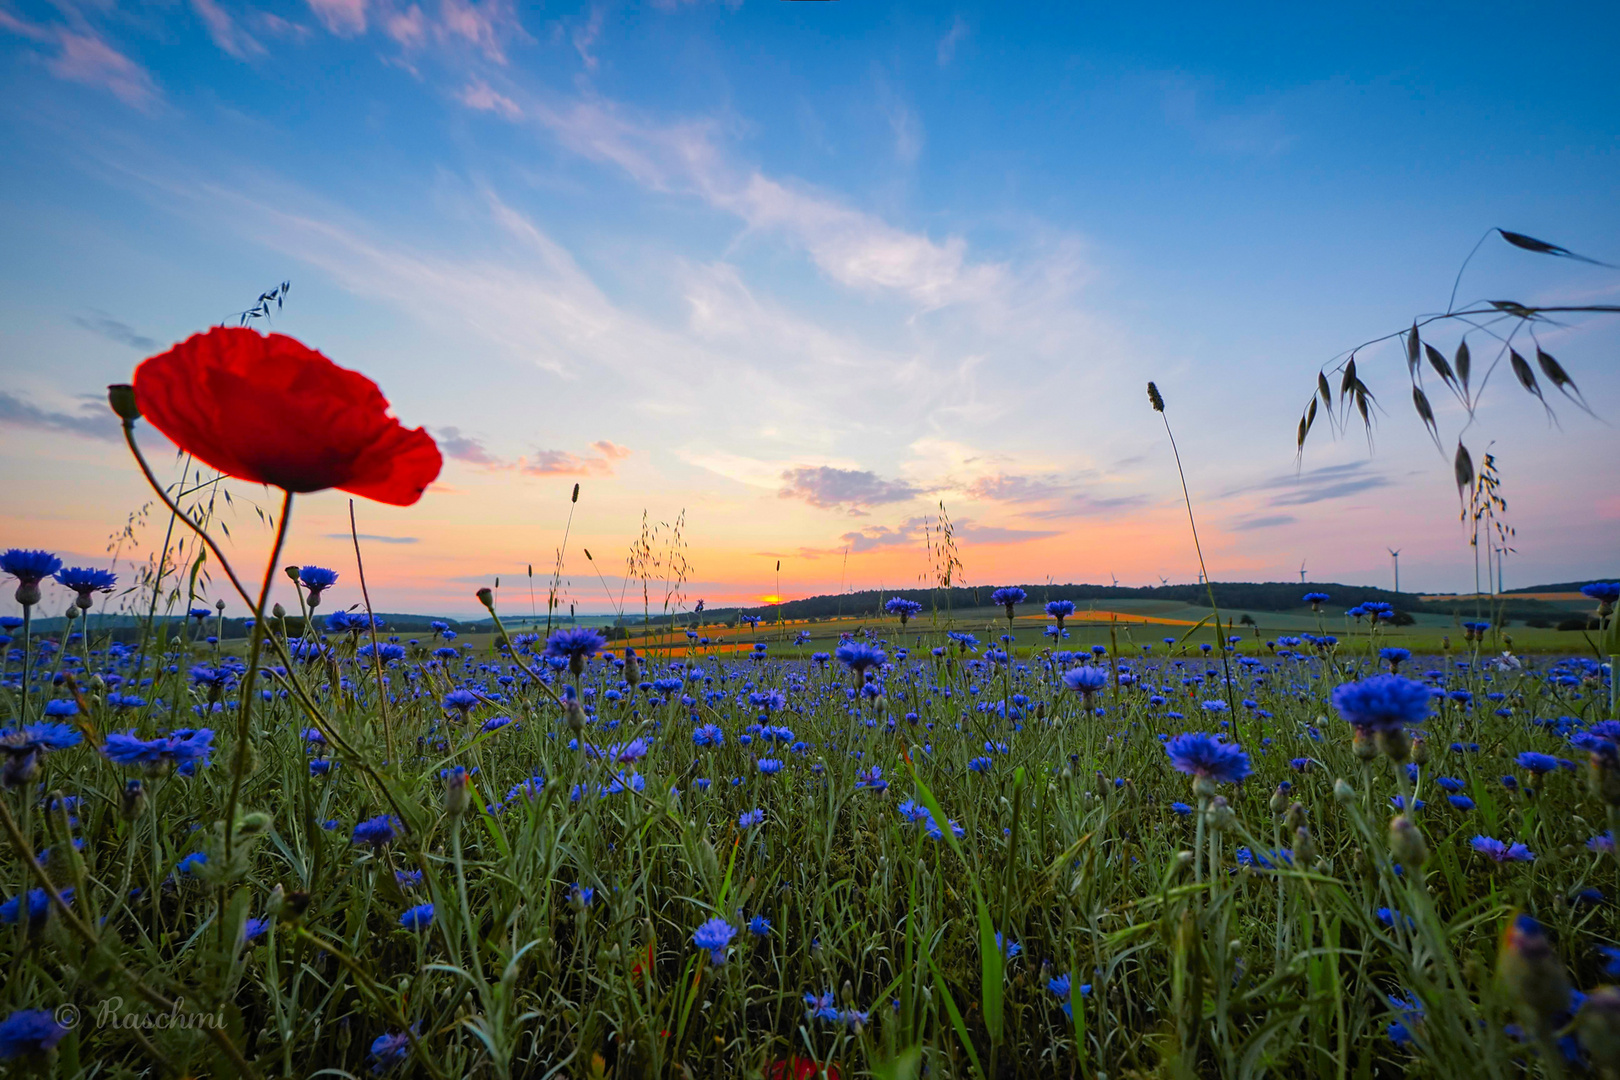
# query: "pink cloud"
87,59
478,95
487,25
408,28
345,18
224,31
562,463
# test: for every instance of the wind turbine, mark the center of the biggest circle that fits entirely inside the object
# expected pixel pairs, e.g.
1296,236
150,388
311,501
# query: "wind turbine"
1163,580
1302,571
1395,557
1115,577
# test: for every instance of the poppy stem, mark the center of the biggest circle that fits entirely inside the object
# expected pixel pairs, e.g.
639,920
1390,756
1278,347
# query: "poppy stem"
239,763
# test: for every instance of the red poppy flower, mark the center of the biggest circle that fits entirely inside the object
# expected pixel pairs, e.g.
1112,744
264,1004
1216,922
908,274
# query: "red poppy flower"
799,1068
267,408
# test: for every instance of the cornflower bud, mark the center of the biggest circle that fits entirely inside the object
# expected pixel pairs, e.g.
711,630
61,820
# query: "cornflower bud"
1406,843
1420,750
456,796
132,801
1343,793
1279,800
1531,971
1363,746
1305,851
1296,816
1599,1023
1396,745
1221,816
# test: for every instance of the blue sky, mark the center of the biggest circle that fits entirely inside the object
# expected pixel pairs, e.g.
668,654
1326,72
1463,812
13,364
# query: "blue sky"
807,270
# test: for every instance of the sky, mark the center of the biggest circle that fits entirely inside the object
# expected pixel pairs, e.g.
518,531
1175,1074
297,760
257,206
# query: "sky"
801,277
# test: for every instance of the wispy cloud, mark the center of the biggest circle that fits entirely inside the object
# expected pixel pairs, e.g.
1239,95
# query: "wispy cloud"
224,31
1268,521
93,422
1316,485
86,58
114,330
1082,505
374,538
563,463
829,489
345,18
945,51
459,447
478,95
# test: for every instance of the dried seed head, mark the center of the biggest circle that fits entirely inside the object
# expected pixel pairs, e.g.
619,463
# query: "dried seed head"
1155,398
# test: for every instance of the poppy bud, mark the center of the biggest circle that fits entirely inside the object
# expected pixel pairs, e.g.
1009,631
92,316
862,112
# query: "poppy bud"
1531,971
253,823
292,572
132,801
487,598
1406,843
121,396
1599,1023
278,611
456,795
1343,793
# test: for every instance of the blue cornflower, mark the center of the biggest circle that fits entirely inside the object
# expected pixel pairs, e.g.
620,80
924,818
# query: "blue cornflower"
43,737
1532,762
389,1050
28,566
418,918
1009,949
1411,1015
821,1006
576,644
252,929
1086,679
1316,599
770,766
39,906
1382,703
1181,808
1060,610
871,779
29,1033
377,832
750,818
315,579
192,864
1394,657
714,935
980,764
1460,802
408,879
1009,596
1604,592
460,700
1207,757
905,609
858,655
759,926
1500,851
85,580
182,747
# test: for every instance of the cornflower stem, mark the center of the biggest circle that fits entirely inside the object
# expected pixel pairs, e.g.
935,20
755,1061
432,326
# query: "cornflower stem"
239,764
371,622
87,933
364,980
1198,840
466,908
28,655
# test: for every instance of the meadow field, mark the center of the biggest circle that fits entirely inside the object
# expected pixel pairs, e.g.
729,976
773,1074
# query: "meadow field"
886,848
